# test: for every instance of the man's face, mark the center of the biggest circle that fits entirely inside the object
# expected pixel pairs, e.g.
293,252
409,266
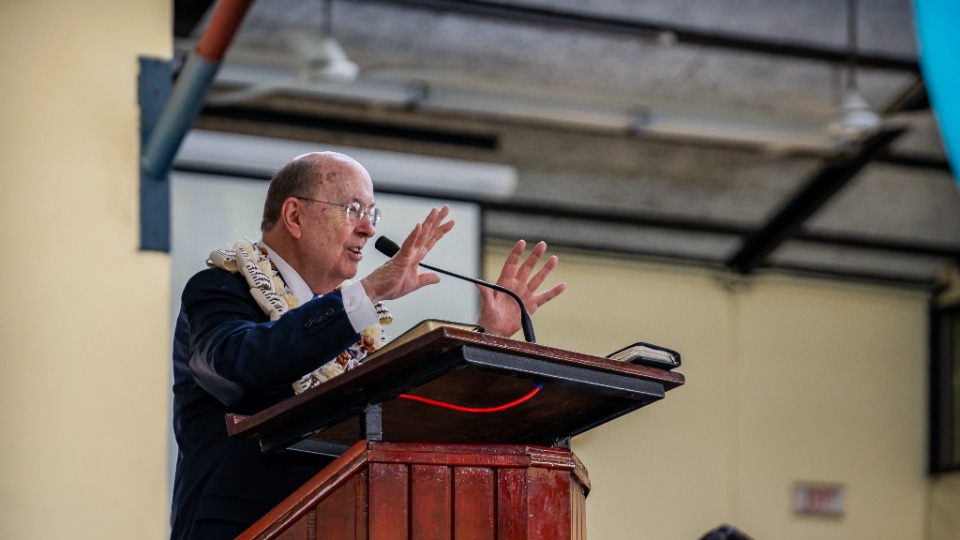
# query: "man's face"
332,243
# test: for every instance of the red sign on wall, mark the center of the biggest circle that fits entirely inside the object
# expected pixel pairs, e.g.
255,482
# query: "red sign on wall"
818,499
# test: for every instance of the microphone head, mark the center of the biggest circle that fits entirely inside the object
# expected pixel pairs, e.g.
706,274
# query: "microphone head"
386,246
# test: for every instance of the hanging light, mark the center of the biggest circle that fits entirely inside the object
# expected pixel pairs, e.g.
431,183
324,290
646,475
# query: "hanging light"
857,118
324,60
330,63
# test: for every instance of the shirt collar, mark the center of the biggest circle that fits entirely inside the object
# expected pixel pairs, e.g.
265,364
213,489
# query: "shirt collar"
297,285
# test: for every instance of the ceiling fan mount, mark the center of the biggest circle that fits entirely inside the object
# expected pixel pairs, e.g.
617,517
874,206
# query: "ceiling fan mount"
857,119
323,59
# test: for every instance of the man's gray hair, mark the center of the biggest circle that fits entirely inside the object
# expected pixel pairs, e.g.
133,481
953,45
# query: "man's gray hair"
295,179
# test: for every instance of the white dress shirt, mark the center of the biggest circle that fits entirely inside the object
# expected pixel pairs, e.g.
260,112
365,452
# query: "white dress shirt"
360,309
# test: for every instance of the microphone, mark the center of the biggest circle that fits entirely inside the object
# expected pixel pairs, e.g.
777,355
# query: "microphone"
390,248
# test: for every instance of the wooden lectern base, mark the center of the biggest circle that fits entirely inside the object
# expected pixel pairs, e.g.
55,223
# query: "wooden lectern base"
388,491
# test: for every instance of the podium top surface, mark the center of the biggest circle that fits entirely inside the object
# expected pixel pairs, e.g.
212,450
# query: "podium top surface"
469,369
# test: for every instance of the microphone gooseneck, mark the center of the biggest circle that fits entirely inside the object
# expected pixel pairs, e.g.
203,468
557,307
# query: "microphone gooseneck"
390,248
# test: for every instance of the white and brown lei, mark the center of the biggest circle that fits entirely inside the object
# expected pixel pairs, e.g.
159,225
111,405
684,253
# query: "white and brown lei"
275,298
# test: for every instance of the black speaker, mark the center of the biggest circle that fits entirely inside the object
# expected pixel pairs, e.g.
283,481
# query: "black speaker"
944,385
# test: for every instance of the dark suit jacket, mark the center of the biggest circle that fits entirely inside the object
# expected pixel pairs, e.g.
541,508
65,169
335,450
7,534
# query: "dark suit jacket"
229,357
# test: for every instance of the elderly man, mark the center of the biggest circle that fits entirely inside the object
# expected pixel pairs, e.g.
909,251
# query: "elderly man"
267,314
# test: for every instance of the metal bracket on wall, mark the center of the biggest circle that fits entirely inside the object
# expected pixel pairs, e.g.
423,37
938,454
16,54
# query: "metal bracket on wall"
154,85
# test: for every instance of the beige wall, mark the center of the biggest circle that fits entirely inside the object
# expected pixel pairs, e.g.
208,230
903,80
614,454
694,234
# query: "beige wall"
84,379
787,380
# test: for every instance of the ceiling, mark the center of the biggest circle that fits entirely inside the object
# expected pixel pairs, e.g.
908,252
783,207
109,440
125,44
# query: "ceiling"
704,132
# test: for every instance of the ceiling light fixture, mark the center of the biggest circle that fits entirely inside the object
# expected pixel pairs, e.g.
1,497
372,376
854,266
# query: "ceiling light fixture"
323,60
857,118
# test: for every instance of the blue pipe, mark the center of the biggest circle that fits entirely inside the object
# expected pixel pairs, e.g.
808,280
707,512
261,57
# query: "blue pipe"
184,105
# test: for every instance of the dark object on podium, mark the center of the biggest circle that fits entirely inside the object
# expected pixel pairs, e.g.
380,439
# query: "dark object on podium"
580,392
648,354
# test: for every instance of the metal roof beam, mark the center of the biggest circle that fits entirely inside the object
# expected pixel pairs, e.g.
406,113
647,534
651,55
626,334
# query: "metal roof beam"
831,179
687,35
817,191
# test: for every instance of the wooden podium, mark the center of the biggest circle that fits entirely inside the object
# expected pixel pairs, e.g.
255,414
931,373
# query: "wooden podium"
411,470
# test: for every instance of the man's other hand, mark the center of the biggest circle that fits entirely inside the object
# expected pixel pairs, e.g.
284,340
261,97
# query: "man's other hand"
500,314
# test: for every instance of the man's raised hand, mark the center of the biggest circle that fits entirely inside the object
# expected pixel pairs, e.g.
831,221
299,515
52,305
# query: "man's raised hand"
401,274
499,314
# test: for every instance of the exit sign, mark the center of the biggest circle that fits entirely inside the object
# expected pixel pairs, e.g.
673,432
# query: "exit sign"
818,499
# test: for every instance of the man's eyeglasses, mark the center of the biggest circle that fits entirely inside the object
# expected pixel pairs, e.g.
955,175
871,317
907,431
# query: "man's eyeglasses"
355,212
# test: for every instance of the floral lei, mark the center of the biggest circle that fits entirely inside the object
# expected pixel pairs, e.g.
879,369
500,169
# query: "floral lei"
275,298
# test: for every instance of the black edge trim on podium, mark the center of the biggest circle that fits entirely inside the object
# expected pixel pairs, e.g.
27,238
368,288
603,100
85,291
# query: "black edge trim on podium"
610,384
630,393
